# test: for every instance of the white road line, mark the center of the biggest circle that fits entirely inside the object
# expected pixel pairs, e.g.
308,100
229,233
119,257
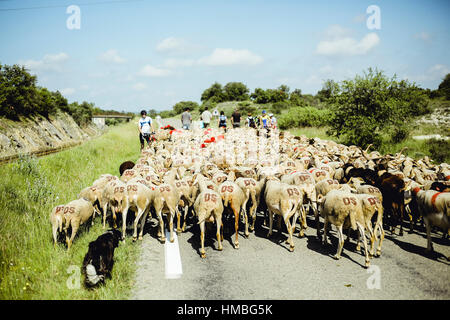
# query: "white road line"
174,270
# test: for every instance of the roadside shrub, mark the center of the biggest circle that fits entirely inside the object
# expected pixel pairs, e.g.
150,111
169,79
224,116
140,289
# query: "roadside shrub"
439,150
304,117
277,107
400,133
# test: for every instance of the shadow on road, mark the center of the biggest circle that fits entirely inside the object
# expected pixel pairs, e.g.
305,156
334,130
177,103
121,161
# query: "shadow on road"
419,250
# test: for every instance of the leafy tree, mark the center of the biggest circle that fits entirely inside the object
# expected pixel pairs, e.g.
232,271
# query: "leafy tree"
180,106
235,91
329,89
214,93
260,96
17,91
365,106
444,87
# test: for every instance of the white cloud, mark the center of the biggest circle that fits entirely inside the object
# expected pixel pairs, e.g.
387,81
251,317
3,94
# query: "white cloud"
151,71
175,63
50,62
348,46
139,86
171,44
67,91
111,56
225,57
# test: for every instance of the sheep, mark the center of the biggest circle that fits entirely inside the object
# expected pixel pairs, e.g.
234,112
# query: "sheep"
113,192
76,213
209,208
138,197
252,189
434,207
169,205
57,221
280,199
370,205
93,194
342,209
234,198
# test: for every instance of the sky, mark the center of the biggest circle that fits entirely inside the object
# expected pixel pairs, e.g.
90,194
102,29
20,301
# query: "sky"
129,55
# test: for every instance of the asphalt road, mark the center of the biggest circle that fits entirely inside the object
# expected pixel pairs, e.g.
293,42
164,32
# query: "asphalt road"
264,269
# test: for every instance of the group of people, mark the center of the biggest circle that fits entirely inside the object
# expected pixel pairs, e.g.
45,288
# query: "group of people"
264,121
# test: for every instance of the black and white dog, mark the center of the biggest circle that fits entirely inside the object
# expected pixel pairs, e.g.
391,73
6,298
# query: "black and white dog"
99,259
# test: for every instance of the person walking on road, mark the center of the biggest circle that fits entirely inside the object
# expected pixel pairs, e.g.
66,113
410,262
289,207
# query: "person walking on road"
222,121
206,118
186,119
250,121
236,119
145,126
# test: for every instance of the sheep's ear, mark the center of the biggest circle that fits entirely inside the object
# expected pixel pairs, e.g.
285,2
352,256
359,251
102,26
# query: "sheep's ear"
319,198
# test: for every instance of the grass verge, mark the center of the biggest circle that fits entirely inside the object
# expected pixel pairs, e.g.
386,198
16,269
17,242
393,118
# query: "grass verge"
30,267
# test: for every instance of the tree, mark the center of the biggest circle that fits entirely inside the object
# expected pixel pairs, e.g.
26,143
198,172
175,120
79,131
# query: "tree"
235,91
365,106
329,89
444,87
214,93
260,96
17,91
182,105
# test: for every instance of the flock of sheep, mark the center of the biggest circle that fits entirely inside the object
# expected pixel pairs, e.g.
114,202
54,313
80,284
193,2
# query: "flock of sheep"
245,171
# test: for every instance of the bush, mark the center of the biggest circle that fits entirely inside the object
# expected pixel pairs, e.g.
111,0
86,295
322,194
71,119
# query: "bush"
277,107
366,105
399,134
439,150
304,117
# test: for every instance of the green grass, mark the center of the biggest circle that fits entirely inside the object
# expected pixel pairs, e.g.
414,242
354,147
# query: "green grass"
30,267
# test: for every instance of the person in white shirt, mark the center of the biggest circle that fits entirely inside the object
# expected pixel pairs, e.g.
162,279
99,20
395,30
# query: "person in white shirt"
145,126
273,121
206,117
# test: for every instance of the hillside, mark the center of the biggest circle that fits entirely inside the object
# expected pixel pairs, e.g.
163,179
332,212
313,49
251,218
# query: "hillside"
36,133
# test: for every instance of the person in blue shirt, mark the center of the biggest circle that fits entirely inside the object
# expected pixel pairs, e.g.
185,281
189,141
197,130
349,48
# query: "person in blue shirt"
145,126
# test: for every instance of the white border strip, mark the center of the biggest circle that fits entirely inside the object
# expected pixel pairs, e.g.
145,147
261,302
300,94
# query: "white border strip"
174,269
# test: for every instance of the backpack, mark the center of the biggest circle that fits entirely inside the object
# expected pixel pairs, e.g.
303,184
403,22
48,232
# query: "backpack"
251,122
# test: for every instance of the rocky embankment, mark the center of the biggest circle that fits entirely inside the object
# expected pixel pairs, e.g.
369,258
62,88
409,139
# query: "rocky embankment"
37,134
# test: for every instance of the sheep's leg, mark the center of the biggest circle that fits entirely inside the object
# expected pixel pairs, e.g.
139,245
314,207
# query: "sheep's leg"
124,223
270,223
105,209
113,209
161,227
341,242
253,211
75,223
139,214
202,239
186,209
317,221
236,225
429,242
219,225
372,238
143,220
290,228
325,225
380,227
170,218
304,225
363,236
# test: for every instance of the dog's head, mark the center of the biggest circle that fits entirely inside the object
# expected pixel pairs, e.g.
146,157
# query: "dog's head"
116,235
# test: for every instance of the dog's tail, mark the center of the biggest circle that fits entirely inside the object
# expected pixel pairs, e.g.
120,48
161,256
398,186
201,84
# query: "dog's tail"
92,278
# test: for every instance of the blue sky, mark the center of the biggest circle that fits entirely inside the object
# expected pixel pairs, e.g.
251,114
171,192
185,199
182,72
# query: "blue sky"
131,55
